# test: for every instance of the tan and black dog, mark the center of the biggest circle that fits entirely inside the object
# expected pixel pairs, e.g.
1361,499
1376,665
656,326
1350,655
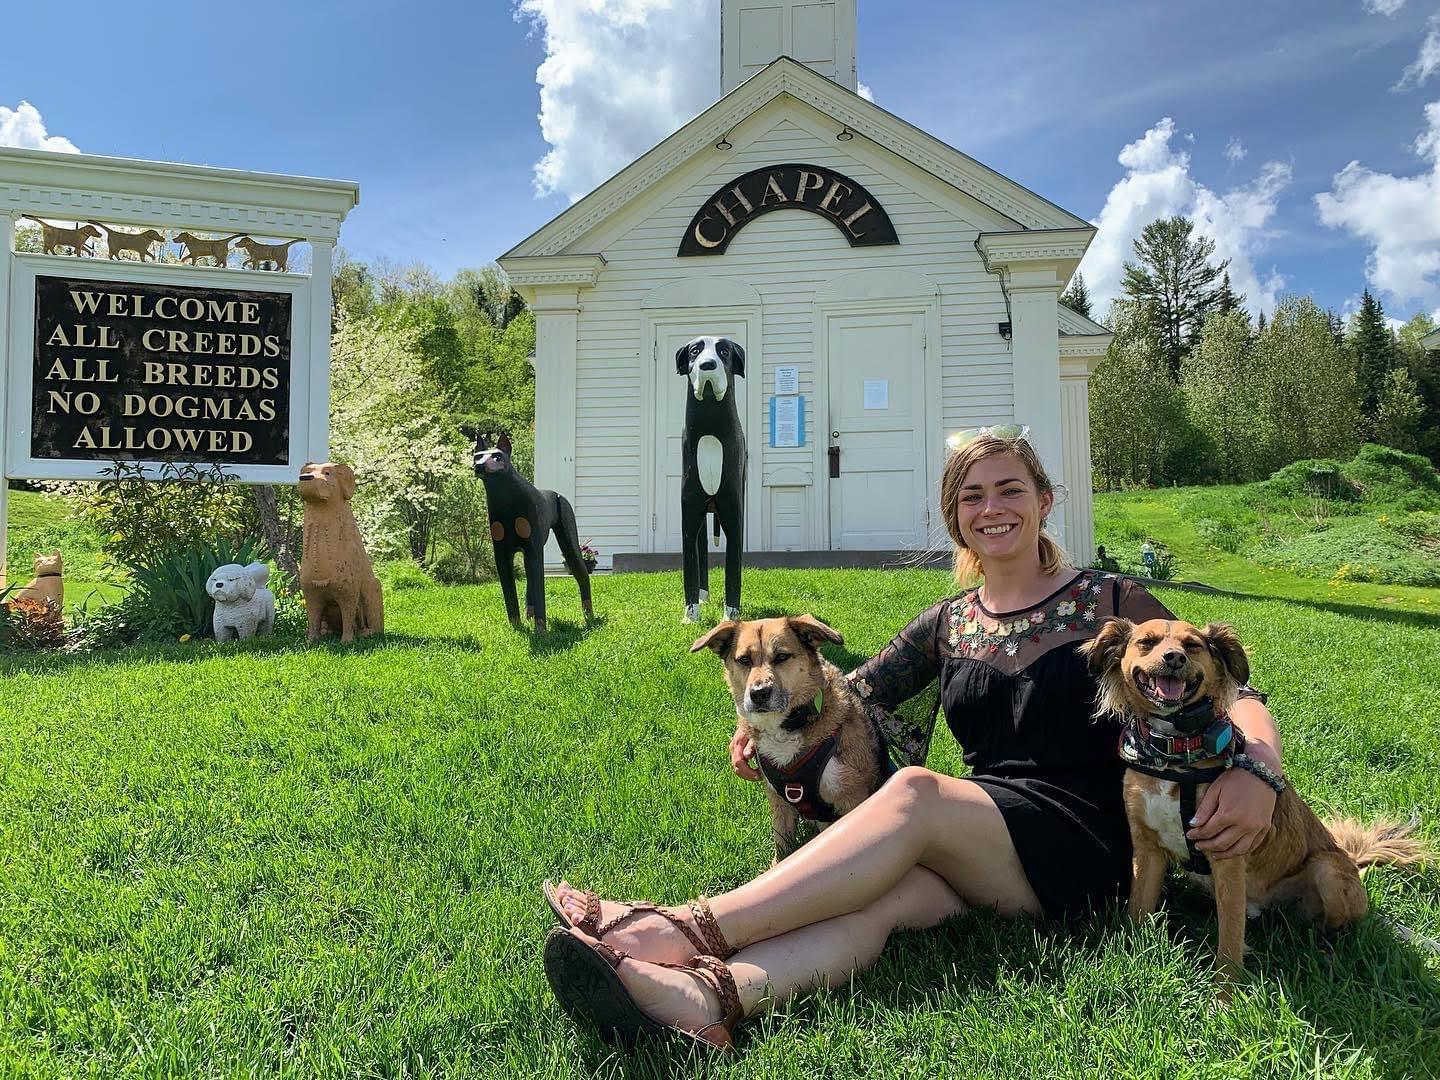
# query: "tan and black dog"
1173,685
819,751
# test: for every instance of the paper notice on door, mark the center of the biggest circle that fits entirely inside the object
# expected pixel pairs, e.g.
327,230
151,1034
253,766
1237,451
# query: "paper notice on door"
787,379
877,393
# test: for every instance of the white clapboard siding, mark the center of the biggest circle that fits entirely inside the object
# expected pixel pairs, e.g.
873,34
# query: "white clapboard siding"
786,257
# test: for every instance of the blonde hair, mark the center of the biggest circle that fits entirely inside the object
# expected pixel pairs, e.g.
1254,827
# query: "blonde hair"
968,569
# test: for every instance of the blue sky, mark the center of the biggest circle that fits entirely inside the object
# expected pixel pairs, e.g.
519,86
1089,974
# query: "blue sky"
1246,115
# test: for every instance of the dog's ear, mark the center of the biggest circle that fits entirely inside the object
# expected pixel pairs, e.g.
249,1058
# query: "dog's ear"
503,443
719,639
682,359
813,632
1225,644
345,477
737,359
1106,648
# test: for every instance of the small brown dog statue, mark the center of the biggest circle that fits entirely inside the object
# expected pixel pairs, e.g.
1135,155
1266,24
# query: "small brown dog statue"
48,586
217,250
79,239
342,593
140,244
260,256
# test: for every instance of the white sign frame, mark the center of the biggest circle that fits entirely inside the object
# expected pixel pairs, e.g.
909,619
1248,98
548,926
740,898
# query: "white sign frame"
309,397
46,186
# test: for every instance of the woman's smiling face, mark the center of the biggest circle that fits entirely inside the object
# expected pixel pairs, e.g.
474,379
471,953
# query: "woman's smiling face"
1000,511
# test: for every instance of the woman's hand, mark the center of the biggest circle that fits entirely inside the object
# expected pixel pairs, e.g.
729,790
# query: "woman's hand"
1234,816
742,749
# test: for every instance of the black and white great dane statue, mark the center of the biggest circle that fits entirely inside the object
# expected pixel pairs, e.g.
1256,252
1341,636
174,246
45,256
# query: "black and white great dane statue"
712,474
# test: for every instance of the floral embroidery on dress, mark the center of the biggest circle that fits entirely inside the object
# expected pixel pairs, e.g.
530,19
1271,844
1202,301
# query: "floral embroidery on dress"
1075,608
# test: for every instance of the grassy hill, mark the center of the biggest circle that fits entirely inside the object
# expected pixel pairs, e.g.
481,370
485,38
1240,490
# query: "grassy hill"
278,860
1363,532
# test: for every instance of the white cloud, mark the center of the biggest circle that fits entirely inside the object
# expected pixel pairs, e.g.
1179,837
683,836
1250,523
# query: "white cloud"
1158,184
1384,7
1235,151
1397,216
618,77
1427,63
864,91
23,127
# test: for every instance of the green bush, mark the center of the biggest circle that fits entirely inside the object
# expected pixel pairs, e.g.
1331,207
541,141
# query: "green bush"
1391,551
402,574
1226,536
1377,477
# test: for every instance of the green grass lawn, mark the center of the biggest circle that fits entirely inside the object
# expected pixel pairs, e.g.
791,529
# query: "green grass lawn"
1174,515
274,860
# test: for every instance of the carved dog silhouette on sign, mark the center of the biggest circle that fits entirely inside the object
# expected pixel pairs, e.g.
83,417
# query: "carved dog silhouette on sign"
522,517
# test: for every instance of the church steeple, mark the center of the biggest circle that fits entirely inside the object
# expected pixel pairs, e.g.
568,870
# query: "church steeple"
818,33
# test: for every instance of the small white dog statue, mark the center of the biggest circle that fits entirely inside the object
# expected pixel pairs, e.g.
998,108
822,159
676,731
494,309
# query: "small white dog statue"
244,607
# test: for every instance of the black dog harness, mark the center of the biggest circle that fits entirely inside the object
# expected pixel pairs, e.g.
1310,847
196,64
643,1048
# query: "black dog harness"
1167,757
799,783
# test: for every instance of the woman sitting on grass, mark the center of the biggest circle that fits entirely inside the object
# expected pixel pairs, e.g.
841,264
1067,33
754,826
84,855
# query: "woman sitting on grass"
1037,829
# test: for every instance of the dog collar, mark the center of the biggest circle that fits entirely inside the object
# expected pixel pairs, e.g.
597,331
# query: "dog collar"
799,718
1139,742
51,574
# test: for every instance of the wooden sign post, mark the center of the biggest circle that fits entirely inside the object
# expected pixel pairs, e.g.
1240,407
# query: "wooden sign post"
106,360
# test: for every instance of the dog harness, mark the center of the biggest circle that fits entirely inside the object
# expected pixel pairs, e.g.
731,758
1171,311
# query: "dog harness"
799,783
1167,757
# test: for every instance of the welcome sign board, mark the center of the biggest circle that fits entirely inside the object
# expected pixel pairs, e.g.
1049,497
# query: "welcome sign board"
127,370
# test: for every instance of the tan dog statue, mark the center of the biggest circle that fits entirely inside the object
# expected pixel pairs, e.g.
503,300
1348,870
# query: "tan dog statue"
47,586
257,255
342,593
199,247
141,243
78,240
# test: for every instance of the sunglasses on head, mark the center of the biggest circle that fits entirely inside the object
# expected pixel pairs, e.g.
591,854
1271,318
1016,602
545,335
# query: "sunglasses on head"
996,431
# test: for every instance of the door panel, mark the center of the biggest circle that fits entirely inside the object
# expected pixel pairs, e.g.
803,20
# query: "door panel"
878,501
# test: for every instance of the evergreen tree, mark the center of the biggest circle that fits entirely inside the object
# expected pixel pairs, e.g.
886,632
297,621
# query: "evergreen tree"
1372,351
1077,297
1228,300
1174,277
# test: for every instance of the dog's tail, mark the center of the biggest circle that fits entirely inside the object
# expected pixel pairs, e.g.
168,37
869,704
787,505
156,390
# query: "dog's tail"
1389,842
258,572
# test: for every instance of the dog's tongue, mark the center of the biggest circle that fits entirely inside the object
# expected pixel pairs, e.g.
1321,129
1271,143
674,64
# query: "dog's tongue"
1170,689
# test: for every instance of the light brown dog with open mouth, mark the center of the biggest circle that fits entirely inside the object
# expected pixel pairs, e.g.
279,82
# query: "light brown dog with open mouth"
819,751
1173,685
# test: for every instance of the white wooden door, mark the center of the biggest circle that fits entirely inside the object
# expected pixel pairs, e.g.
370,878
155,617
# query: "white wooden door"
877,419
670,391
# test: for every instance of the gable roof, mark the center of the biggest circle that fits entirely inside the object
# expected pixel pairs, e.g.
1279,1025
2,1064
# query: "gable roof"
1431,340
787,77
1073,323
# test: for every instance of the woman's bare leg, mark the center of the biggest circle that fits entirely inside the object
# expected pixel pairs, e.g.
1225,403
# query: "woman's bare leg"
825,953
919,818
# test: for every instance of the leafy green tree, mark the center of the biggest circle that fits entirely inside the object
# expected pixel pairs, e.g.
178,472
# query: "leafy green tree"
1174,275
1424,367
486,293
1077,297
1372,351
1307,395
1221,396
1137,416
1399,412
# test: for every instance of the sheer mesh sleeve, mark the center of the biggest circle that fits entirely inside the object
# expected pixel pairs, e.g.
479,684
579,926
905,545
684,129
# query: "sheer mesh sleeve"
901,670
1133,602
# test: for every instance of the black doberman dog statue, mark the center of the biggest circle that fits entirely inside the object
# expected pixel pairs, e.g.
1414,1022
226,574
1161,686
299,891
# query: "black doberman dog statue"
522,517
712,473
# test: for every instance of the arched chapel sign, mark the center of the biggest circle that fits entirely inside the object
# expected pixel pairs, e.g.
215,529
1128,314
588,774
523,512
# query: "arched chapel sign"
852,209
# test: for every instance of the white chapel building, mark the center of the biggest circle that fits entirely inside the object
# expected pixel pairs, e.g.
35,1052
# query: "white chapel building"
887,290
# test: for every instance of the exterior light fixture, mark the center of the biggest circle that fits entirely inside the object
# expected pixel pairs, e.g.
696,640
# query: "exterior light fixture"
1005,330
845,134
724,143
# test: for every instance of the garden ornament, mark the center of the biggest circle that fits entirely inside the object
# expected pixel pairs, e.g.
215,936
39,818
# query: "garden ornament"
342,593
199,247
78,239
47,586
244,607
522,517
260,256
141,243
712,468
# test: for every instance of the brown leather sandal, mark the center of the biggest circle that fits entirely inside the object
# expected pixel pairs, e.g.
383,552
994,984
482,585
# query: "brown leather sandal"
586,981
705,936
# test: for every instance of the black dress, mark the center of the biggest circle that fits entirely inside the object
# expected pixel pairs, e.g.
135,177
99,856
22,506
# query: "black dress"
1020,701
